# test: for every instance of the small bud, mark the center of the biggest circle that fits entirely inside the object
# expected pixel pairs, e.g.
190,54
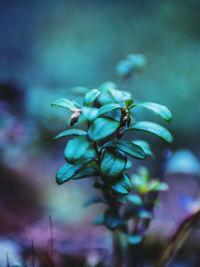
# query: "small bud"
74,117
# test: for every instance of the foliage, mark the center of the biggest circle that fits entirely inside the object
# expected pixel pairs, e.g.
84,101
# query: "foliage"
100,151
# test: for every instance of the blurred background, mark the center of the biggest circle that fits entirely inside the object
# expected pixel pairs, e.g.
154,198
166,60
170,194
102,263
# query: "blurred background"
49,47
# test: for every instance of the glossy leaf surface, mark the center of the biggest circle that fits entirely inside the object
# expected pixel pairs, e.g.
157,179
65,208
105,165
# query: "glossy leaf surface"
112,163
65,103
127,147
154,128
76,148
90,97
160,110
101,128
70,132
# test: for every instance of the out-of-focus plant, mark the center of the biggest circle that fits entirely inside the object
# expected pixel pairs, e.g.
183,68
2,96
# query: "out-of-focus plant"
99,150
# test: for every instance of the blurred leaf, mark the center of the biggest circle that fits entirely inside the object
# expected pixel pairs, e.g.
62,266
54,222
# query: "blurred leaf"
128,164
99,220
122,185
101,128
145,147
112,221
127,147
154,128
69,133
140,183
129,102
134,239
160,110
76,148
90,97
135,199
155,185
88,113
112,163
65,103
107,108
94,200
67,171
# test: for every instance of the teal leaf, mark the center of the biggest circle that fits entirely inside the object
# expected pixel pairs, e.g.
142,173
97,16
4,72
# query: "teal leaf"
134,239
127,147
85,173
107,108
102,127
154,128
94,200
160,110
70,132
120,95
90,97
145,147
66,103
112,221
67,171
88,113
99,220
134,199
122,185
76,148
112,163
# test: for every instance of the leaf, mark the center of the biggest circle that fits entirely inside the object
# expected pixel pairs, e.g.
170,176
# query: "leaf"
89,113
153,128
160,110
99,220
76,148
112,163
140,183
107,108
65,103
111,220
145,147
94,200
135,199
67,171
90,97
85,173
102,127
155,185
120,95
69,133
127,147
122,185
134,239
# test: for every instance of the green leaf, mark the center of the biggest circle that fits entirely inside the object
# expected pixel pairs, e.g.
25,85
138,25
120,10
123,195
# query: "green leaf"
135,199
69,133
94,200
112,163
160,110
122,185
66,103
67,171
112,221
86,172
102,127
127,147
154,128
155,185
76,148
107,108
88,113
140,183
145,147
90,97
